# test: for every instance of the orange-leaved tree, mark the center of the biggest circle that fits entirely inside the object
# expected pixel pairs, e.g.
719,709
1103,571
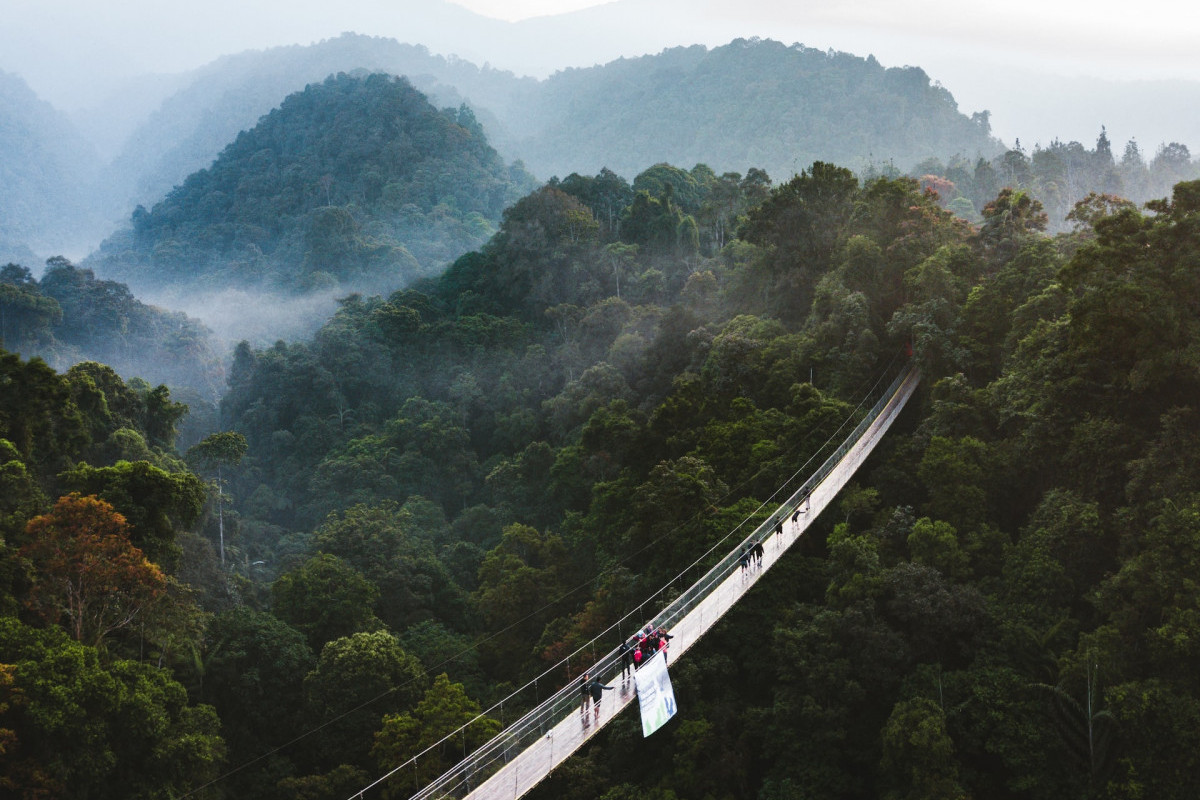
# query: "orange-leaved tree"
87,575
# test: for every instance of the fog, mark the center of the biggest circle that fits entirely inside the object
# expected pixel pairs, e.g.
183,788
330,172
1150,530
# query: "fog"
1044,71
1000,57
261,318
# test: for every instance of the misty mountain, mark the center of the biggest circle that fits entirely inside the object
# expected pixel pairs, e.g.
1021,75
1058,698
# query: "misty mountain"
77,62
228,96
46,172
354,183
748,104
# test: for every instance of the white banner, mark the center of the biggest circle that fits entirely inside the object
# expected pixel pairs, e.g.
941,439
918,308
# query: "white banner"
655,696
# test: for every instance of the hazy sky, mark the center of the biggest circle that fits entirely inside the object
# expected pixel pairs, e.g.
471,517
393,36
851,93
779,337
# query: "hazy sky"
1030,62
513,10
1107,38
1044,68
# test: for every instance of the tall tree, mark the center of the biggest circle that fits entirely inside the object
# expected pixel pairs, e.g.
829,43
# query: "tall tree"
87,575
218,451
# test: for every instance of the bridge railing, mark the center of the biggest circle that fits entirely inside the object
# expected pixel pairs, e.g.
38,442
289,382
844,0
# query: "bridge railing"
698,591
489,758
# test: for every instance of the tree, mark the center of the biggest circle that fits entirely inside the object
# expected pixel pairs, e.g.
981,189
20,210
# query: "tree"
152,500
27,318
804,217
253,672
1009,220
87,575
20,496
518,579
918,754
935,544
219,450
384,543
89,731
325,598
444,712
38,416
954,470
357,680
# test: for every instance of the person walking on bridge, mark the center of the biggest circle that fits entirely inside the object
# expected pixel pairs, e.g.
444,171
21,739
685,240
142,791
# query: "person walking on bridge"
593,688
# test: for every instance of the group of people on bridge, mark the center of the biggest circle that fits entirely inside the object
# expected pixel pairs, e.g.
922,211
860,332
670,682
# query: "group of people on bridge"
638,650
634,652
641,648
752,552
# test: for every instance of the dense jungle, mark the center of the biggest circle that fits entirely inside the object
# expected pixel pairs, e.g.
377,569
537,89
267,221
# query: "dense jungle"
387,526
509,408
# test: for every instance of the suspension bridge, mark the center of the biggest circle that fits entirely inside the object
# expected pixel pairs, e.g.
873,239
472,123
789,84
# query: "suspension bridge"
528,749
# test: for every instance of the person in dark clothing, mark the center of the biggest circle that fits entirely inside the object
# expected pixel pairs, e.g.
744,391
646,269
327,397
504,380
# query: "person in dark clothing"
625,652
583,694
745,559
595,690
758,553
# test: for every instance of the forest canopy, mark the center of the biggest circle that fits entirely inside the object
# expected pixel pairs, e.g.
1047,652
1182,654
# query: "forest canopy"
451,485
355,182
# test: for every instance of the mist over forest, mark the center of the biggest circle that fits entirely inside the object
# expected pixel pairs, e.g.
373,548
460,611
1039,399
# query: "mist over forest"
803,103
355,388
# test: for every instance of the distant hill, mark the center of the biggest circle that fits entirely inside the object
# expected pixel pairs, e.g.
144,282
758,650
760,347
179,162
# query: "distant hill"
749,103
46,173
354,183
229,96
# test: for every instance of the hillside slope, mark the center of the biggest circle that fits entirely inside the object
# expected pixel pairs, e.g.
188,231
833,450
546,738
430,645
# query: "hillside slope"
46,171
230,95
356,182
749,103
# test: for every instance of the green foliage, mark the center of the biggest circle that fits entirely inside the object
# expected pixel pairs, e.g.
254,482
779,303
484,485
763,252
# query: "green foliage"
750,101
935,544
37,416
153,501
385,544
84,729
444,711
519,581
253,667
354,181
70,316
918,753
325,599
1066,186
358,680
219,449
519,452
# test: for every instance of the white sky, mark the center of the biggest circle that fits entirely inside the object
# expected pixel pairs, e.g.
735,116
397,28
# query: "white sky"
1151,38
1000,56
514,10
